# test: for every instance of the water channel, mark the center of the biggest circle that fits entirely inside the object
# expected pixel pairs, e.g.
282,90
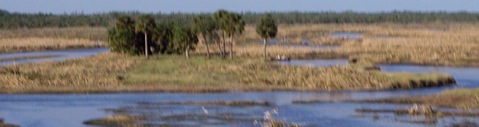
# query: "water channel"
44,56
70,110
60,110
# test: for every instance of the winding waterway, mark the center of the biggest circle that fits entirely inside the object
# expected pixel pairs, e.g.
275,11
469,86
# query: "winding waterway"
44,56
60,110
71,110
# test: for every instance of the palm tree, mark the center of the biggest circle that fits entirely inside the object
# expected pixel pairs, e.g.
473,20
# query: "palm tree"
185,38
205,26
231,25
122,37
236,28
145,24
221,17
266,29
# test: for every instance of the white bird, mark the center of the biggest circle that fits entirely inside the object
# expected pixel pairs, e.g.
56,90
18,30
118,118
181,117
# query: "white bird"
204,110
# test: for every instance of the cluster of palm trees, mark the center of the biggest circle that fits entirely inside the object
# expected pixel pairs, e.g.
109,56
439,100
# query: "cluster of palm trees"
221,28
147,36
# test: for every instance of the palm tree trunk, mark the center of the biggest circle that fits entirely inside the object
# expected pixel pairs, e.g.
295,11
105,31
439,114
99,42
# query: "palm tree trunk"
187,52
231,48
223,54
219,46
207,47
146,44
264,49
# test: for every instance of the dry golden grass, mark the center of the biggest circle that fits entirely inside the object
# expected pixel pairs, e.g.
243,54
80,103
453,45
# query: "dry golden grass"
81,74
91,33
447,44
33,44
436,44
333,78
116,121
18,40
112,72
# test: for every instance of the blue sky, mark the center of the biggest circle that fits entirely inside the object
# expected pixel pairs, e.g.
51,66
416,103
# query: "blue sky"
197,6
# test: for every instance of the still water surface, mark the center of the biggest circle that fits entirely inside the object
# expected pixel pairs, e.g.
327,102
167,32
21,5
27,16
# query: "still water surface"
58,55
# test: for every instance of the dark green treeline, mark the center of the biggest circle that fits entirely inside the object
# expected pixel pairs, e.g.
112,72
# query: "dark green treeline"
19,20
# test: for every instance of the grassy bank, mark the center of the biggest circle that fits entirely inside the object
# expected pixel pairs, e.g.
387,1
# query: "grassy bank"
112,72
91,74
458,98
116,121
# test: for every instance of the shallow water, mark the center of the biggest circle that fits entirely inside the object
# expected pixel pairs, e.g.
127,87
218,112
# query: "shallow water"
315,63
348,35
317,47
60,55
60,110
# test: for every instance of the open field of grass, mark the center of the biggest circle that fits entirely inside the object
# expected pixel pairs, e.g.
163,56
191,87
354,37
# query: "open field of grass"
450,44
19,40
432,44
112,72
90,33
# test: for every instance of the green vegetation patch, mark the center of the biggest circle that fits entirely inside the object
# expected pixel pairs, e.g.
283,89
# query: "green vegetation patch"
248,73
179,70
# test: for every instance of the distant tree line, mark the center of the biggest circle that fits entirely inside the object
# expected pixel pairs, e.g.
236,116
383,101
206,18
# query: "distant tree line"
21,20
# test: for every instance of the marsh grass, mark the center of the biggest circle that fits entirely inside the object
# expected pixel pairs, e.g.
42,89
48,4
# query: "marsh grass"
116,121
435,44
19,40
424,44
88,74
181,71
110,72
90,33
458,98
35,44
250,73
